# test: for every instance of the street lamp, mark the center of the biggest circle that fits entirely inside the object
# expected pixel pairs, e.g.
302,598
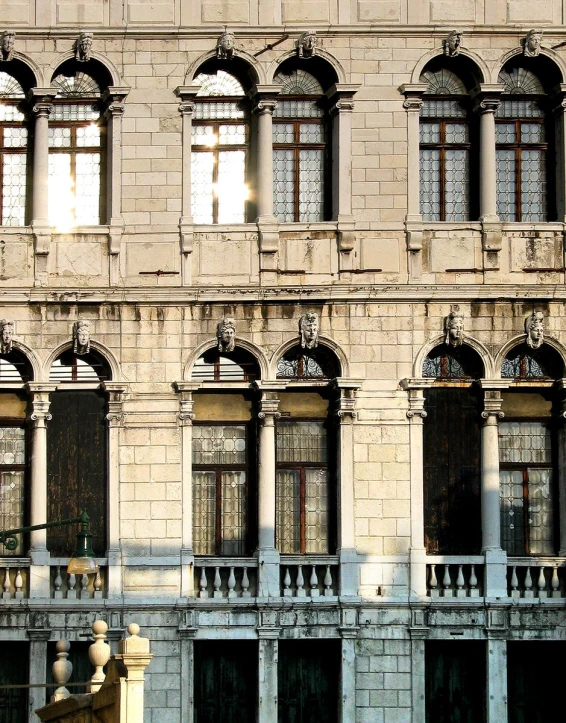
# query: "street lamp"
82,562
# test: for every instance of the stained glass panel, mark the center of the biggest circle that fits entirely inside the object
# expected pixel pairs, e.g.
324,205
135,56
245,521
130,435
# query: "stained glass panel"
311,185
204,512
14,174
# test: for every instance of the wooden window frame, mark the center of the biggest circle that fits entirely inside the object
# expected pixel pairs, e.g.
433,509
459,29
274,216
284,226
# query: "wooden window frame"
219,469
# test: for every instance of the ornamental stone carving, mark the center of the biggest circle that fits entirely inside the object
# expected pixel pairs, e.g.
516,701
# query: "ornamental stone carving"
225,46
452,43
306,44
8,43
226,335
308,330
83,46
534,329
81,337
532,43
6,336
454,328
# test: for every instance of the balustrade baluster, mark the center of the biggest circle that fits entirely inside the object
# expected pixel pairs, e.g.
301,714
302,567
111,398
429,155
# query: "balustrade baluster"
301,592
447,582
555,583
84,594
232,583
460,591
19,583
58,584
528,584
71,592
313,582
217,583
6,595
203,583
474,592
245,583
287,592
541,584
328,591
433,582
515,592
97,585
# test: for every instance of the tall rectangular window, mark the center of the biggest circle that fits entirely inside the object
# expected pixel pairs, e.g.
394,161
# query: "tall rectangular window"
220,489
12,478
302,490
525,457
444,161
13,161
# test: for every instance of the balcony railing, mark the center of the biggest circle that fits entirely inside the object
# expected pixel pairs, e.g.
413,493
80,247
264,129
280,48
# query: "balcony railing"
15,581
221,579
14,578
309,576
455,576
540,578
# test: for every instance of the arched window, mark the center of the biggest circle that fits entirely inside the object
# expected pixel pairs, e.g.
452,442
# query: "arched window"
525,167
445,362
219,157
13,152
524,363
70,367
315,364
15,367
445,147
216,366
77,141
300,149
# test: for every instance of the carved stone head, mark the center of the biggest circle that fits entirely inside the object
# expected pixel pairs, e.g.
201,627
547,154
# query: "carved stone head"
308,330
8,43
226,335
306,44
454,328
6,336
452,43
83,46
81,337
225,46
534,329
532,43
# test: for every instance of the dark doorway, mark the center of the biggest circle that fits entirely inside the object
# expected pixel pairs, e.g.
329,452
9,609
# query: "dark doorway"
14,665
534,679
455,681
308,681
226,681
82,667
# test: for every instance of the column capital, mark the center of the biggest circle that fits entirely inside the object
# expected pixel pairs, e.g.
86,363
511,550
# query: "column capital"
41,100
345,405
413,93
416,404
487,97
268,407
186,401
186,93
113,98
264,106
341,97
492,406
115,391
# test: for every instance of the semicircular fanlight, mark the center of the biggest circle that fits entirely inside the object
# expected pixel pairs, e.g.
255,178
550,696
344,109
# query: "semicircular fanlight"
442,82
71,86
520,81
9,87
220,83
298,82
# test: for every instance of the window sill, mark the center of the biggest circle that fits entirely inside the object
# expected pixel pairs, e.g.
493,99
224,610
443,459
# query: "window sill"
101,230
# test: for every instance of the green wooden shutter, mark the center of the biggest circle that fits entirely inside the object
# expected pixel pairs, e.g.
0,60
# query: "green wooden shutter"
452,469
76,468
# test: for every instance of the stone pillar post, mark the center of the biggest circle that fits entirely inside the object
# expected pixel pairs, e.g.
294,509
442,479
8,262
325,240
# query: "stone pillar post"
135,657
347,711
559,100
268,556
496,675
417,552
487,102
265,98
419,633
341,108
115,419
413,93
346,414
41,99
38,638
268,659
187,637
187,94
495,583
186,417
114,98
561,480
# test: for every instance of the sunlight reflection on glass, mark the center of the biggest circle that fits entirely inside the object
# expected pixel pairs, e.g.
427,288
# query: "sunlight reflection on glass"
61,192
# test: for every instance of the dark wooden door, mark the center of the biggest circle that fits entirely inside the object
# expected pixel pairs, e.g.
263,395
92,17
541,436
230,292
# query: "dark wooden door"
308,676
226,681
455,681
534,680
14,663
452,467
76,468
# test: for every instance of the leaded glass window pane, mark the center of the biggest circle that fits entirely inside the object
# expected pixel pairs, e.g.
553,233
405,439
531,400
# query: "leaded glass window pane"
541,540
522,362
457,183
59,138
219,110
505,178
88,136
311,185
288,517
519,108
439,108
316,502
445,362
74,112
232,135
284,184
512,512
14,175
87,188
218,84
524,442
233,513
430,132
297,108
298,82
456,133
61,192
204,512
204,136
311,133
301,442
231,187
219,444
10,113
12,456
430,184
533,185
283,132
15,137
202,165
505,133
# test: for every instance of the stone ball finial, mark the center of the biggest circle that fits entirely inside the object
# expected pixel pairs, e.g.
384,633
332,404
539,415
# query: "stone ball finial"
62,669
99,627
62,646
99,654
133,628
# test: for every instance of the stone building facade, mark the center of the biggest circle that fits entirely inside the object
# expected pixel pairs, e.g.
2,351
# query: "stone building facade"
283,309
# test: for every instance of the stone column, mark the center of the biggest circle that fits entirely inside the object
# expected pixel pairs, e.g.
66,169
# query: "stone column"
187,634
561,481
42,106
186,94
495,558
115,419
417,552
342,105
114,98
496,675
38,638
418,633
347,711
186,417
135,657
413,220
268,556
268,228
346,414
267,669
